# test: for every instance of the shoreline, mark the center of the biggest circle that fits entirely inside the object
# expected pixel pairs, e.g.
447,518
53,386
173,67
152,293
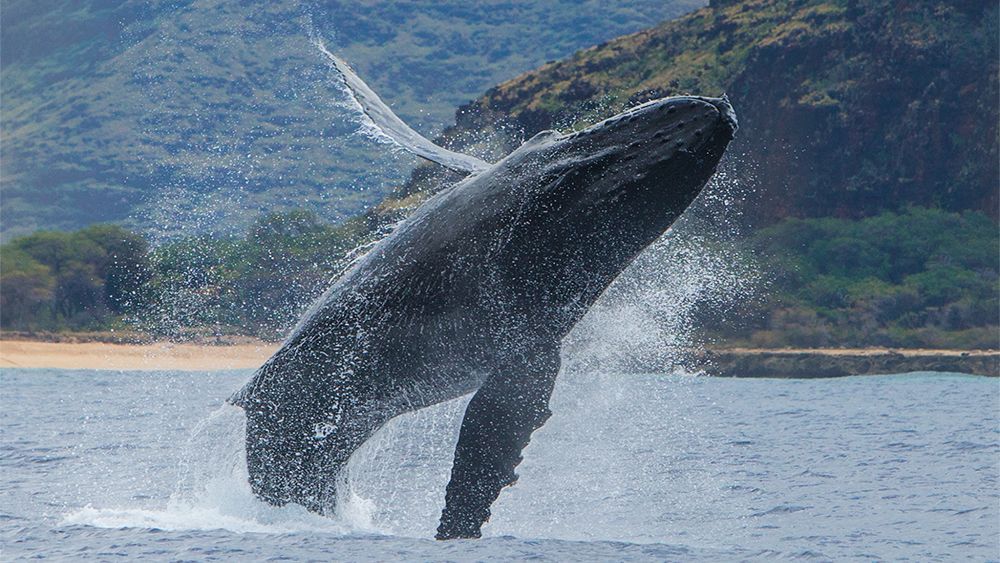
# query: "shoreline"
148,356
247,353
807,363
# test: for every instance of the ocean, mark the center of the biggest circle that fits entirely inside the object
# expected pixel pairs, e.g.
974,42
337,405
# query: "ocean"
105,465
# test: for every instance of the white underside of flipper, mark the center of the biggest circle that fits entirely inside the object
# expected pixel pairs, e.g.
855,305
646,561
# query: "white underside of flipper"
393,127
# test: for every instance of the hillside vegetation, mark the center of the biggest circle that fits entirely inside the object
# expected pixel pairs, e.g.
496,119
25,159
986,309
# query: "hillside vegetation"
186,115
922,278
105,277
918,278
847,107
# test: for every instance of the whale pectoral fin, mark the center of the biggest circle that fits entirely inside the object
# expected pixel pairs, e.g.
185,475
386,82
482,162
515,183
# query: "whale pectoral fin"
498,424
393,127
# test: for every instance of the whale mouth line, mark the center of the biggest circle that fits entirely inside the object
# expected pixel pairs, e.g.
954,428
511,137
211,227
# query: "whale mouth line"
725,109
728,113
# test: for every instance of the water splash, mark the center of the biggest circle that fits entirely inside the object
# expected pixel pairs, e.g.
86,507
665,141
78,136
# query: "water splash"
213,492
647,321
401,472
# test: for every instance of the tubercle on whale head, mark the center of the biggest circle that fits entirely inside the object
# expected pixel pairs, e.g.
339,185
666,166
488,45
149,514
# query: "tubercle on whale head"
653,146
682,122
636,140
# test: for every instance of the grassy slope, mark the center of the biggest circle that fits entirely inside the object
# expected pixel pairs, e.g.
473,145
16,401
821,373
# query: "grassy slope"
848,108
200,108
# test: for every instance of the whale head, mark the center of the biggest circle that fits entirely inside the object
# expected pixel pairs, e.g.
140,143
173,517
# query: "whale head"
590,201
655,157
656,131
652,148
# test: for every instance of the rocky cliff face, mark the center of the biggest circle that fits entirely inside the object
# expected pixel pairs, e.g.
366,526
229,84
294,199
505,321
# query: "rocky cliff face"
847,108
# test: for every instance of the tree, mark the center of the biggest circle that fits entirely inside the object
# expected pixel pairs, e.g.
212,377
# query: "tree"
26,288
125,269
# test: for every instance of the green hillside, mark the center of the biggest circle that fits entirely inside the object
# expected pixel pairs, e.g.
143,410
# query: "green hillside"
847,107
192,114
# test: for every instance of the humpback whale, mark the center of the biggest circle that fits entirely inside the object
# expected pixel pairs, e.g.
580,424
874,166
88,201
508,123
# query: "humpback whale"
473,292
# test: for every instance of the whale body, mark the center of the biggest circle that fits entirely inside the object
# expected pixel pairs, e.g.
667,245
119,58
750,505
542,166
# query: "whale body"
473,293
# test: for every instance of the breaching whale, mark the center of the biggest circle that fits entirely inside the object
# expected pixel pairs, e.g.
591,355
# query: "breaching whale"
473,292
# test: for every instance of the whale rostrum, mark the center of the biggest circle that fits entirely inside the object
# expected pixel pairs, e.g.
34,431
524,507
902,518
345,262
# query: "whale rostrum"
473,293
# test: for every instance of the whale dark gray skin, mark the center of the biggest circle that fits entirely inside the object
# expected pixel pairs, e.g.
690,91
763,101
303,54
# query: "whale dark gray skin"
474,293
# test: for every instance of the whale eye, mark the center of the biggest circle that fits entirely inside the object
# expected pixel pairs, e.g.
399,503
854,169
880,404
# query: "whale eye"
680,125
679,144
671,110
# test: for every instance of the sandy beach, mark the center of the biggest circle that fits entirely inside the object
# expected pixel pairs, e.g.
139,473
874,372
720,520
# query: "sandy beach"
156,356
744,362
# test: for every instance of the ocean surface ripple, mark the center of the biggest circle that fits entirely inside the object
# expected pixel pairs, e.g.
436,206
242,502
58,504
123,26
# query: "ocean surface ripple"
128,465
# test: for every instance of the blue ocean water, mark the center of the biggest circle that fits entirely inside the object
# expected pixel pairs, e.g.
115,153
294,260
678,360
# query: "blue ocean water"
125,465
